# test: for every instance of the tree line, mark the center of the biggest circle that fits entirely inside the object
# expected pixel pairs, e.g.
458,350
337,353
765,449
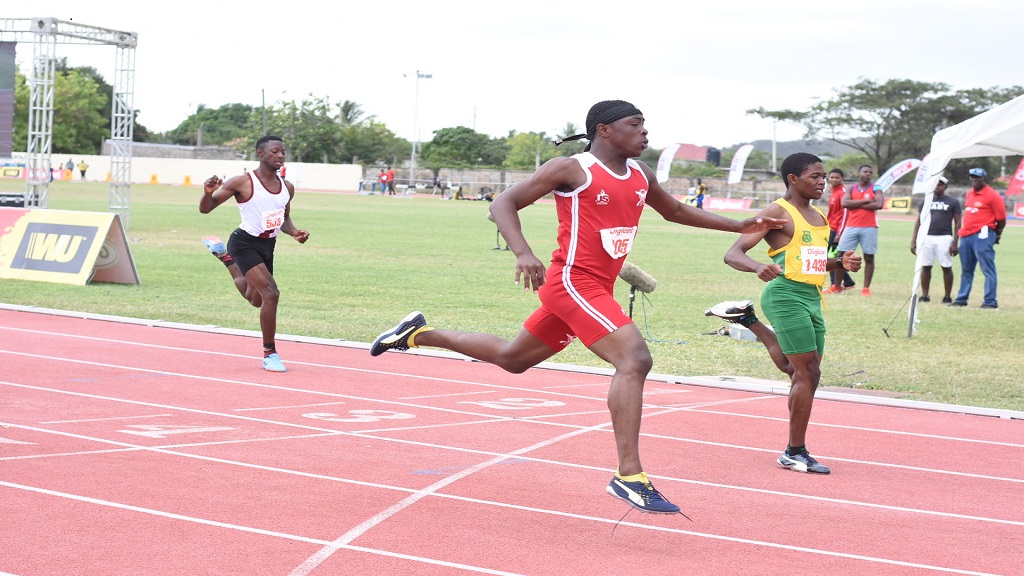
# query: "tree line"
880,123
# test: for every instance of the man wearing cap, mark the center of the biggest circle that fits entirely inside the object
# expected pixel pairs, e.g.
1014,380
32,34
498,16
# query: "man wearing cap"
983,221
940,243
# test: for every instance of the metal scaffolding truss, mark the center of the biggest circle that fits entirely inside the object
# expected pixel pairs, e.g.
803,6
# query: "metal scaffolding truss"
45,34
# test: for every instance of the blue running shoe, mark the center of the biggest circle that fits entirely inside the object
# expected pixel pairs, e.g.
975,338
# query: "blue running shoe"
216,246
398,337
641,495
272,363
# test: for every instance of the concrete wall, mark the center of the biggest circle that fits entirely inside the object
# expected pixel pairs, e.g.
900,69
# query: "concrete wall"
181,171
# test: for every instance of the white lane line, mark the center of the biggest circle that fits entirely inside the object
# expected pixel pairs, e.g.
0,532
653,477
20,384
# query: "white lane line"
476,383
287,407
240,528
439,409
104,419
438,379
865,429
576,430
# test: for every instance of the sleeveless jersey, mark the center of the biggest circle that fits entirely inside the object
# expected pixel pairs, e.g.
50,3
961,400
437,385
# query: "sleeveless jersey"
263,212
859,217
597,222
805,257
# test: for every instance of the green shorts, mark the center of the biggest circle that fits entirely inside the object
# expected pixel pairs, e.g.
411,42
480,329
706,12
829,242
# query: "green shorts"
794,311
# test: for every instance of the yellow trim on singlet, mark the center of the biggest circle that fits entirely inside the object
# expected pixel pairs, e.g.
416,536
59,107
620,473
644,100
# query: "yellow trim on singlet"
804,234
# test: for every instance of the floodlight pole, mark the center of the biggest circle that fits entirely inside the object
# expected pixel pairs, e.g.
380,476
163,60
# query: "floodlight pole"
416,129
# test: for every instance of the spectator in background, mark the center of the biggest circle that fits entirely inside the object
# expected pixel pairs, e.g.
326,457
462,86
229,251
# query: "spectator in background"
82,167
391,181
862,202
382,179
702,190
70,167
940,243
983,221
836,217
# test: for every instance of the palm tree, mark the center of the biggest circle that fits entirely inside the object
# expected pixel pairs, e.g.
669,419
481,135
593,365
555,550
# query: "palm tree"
350,113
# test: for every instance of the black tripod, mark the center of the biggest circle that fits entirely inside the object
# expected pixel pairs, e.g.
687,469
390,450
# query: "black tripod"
497,241
647,330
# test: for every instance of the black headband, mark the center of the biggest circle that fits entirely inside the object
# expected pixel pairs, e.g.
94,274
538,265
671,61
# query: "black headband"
616,112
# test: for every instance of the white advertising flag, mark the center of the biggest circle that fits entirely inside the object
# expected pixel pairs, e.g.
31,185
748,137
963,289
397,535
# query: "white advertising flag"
665,162
739,160
898,170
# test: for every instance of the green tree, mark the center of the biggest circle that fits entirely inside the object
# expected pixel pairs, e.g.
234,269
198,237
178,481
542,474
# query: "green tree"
458,147
78,126
574,146
139,132
351,113
370,142
309,129
215,126
890,121
528,150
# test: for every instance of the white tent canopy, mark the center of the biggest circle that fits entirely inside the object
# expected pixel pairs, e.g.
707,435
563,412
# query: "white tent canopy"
997,132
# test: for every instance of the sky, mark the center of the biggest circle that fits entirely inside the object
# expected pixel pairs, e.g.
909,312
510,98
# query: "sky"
693,68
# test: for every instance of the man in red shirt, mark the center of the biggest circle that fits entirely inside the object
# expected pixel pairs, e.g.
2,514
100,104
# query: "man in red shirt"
391,181
983,221
861,228
599,197
836,218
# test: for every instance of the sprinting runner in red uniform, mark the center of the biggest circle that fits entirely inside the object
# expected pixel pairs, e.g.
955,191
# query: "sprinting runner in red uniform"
600,195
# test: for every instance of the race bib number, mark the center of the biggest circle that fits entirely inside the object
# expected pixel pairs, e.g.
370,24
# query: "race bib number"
617,242
273,219
814,259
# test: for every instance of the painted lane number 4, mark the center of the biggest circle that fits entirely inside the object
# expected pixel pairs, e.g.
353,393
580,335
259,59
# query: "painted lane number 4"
516,403
165,430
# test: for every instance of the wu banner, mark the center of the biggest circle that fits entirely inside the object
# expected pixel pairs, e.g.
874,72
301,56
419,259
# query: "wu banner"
64,247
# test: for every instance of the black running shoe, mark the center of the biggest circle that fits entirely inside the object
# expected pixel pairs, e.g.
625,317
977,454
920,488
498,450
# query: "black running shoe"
736,311
398,337
924,299
802,462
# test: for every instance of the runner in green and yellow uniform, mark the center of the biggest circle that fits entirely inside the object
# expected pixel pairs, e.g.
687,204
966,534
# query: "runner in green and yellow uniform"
792,299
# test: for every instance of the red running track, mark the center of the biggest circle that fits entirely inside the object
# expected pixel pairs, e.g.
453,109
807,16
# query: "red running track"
129,448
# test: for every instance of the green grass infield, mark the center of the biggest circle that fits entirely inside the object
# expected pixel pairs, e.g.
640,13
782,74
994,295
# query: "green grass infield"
372,259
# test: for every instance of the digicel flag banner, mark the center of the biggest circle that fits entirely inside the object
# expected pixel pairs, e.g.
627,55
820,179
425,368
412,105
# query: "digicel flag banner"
64,247
1016,184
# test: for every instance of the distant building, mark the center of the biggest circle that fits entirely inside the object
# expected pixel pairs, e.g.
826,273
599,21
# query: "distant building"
151,150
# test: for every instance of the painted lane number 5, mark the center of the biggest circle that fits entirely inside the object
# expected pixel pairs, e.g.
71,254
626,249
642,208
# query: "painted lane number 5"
360,416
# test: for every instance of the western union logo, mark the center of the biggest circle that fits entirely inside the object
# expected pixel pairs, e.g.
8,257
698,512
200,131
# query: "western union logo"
54,247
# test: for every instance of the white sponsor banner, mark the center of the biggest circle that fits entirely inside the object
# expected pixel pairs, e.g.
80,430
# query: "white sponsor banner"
665,162
898,170
739,160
